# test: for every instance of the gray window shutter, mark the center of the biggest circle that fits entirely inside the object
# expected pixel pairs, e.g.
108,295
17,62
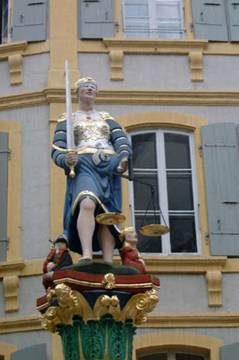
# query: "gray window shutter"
35,352
96,19
233,19
221,165
229,352
209,20
29,20
3,194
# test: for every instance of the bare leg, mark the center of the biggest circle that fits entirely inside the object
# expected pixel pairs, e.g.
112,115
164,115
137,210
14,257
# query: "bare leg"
107,243
86,226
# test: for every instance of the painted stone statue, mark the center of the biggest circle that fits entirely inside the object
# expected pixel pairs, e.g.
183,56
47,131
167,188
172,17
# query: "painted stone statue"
129,253
100,154
57,258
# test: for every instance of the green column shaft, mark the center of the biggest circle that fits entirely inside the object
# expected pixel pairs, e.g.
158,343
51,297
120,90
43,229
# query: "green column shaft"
105,339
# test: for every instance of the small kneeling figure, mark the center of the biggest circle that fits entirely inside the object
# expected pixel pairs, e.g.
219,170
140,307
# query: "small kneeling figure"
130,256
57,258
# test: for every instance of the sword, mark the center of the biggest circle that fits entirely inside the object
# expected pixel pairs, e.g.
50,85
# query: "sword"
69,127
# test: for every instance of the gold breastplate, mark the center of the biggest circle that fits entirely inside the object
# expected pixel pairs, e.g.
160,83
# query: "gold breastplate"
90,129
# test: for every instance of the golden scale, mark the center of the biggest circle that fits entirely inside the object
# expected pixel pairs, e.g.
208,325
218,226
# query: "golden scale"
112,218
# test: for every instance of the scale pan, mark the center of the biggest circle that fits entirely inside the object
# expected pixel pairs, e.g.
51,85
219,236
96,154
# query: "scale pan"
154,230
110,218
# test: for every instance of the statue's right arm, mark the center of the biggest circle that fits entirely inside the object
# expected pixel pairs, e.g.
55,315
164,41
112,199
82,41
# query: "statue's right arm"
59,146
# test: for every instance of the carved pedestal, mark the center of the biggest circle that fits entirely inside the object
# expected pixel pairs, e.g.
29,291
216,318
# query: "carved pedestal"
96,314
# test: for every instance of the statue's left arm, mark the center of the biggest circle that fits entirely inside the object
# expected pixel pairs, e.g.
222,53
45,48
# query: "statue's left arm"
119,140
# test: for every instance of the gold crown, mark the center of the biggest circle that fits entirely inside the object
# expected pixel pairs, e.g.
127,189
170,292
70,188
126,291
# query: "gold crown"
83,81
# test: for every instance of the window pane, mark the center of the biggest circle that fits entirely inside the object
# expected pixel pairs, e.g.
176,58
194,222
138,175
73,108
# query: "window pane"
142,193
4,20
189,357
136,18
166,10
154,357
144,151
180,196
182,233
177,151
146,243
136,8
169,19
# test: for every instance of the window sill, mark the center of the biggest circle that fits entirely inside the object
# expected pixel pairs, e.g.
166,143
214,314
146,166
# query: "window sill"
14,53
118,47
182,264
12,48
155,45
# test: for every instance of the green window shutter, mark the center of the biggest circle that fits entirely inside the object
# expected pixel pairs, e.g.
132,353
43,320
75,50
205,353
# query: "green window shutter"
221,165
35,352
209,20
29,20
96,19
3,194
233,19
229,352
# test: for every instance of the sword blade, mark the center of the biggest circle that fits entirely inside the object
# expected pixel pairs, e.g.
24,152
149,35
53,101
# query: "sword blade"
69,125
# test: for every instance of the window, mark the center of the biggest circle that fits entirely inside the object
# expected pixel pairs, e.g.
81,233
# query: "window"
216,20
172,356
163,162
153,18
4,18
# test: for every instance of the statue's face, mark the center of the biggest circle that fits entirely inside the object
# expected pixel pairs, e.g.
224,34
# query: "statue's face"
60,245
87,91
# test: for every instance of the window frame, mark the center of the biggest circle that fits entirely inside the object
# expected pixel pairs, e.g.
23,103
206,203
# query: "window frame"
163,189
153,23
171,354
7,39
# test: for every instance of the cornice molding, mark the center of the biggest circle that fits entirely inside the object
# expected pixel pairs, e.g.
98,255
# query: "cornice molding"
124,97
168,320
11,266
154,264
23,100
21,324
183,264
12,48
198,320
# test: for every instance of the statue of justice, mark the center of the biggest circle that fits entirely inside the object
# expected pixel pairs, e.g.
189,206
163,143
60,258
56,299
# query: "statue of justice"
98,153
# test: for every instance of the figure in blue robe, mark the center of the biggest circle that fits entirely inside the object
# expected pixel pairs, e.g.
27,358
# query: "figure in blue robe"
102,146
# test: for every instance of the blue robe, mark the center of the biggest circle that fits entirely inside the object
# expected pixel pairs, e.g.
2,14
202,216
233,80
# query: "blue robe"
98,182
